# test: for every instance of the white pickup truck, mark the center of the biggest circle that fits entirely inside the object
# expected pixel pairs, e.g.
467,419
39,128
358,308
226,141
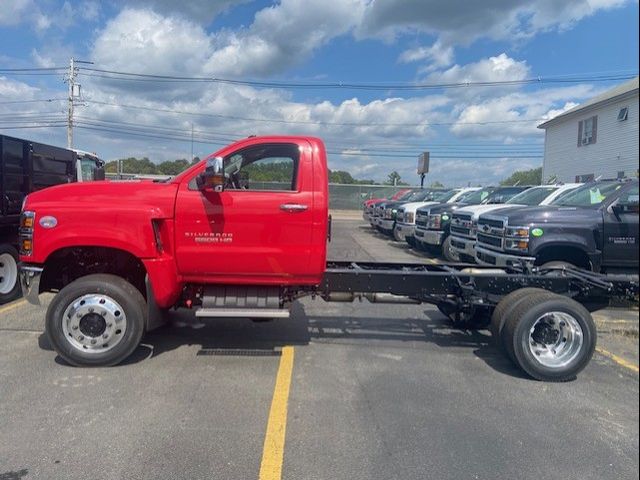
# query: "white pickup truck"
406,215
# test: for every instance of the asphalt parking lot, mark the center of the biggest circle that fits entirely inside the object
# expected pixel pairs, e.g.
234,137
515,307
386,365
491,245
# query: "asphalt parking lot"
375,392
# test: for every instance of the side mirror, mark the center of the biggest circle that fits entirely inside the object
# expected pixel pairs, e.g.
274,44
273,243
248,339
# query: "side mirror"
620,208
98,173
213,176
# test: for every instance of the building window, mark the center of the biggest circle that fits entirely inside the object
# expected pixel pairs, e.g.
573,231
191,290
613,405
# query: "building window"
623,114
587,131
589,177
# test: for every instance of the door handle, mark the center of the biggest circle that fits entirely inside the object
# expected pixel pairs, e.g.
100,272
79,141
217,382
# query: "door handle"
293,207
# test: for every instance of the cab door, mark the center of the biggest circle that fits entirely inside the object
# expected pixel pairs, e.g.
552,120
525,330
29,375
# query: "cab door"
259,228
620,246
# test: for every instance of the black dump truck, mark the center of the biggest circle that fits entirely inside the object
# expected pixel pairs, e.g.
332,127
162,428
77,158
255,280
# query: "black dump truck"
594,227
25,167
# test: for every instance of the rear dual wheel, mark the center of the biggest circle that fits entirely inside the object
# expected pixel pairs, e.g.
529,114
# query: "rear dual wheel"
550,337
95,321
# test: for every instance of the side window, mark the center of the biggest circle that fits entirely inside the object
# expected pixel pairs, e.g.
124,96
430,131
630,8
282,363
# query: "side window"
262,167
630,199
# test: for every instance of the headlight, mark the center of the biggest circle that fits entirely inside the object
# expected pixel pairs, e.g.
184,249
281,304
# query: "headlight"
519,245
434,221
517,232
393,213
25,233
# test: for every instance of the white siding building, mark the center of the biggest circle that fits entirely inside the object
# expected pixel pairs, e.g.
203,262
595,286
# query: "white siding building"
597,138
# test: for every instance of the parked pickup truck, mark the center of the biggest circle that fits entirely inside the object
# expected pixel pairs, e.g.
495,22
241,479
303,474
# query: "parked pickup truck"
593,227
369,205
373,211
119,255
406,214
464,221
386,212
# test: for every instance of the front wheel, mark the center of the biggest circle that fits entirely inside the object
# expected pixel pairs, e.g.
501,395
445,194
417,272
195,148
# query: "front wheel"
96,321
447,251
9,285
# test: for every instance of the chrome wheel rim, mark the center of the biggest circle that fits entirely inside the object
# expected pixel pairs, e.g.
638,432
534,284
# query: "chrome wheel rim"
94,323
555,339
8,273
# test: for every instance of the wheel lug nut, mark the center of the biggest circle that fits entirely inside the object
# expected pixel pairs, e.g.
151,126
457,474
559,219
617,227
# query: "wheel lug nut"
75,327
93,342
81,338
79,315
562,324
105,336
90,309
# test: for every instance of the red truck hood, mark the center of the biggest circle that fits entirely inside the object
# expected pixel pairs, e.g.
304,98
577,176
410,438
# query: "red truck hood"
108,197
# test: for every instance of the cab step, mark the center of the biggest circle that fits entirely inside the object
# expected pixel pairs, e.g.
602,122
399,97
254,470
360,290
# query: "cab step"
242,313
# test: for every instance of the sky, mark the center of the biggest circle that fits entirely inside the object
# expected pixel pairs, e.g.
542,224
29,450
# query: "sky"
380,81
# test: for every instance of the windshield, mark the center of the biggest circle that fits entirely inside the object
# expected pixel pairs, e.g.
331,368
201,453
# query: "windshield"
444,197
476,197
501,195
418,196
533,196
590,195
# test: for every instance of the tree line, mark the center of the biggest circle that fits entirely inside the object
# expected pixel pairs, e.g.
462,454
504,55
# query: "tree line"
281,172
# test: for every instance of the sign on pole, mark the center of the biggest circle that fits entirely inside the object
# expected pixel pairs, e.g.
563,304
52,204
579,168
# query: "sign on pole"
423,163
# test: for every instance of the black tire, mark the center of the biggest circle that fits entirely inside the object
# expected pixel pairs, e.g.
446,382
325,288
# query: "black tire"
447,253
126,295
506,306
9,273
516,336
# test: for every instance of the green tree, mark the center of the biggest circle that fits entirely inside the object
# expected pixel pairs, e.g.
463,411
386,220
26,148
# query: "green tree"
340,176
172,167
394,178
524,177
436,184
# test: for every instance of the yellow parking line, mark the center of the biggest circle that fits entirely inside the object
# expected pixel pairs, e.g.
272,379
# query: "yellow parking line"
619,360
273,450
11,306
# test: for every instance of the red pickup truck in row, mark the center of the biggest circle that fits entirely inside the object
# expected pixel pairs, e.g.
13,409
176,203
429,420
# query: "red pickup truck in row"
119,255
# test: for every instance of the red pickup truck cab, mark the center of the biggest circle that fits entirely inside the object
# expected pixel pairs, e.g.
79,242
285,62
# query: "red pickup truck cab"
119,253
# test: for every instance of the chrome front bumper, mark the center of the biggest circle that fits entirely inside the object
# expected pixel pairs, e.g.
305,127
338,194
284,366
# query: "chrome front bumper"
464,246
30,283
433,237
386,224
405,229
485,256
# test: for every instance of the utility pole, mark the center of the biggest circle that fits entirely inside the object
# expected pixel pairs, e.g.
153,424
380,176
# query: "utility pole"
71,81
74,92
191,159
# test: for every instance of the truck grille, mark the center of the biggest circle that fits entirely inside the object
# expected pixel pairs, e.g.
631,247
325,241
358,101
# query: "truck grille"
489,240
461,224
421,219
491,231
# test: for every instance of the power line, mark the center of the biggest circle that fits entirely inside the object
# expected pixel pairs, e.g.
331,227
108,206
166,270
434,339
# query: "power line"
209,135
309,122
131,76
31,69
39,100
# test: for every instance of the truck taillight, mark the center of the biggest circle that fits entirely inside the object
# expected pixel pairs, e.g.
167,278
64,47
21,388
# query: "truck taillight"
25,233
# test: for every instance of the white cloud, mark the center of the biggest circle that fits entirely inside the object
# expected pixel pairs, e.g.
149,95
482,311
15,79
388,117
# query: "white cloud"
437,56
519,113
492,69
201,11
13,11
462,22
